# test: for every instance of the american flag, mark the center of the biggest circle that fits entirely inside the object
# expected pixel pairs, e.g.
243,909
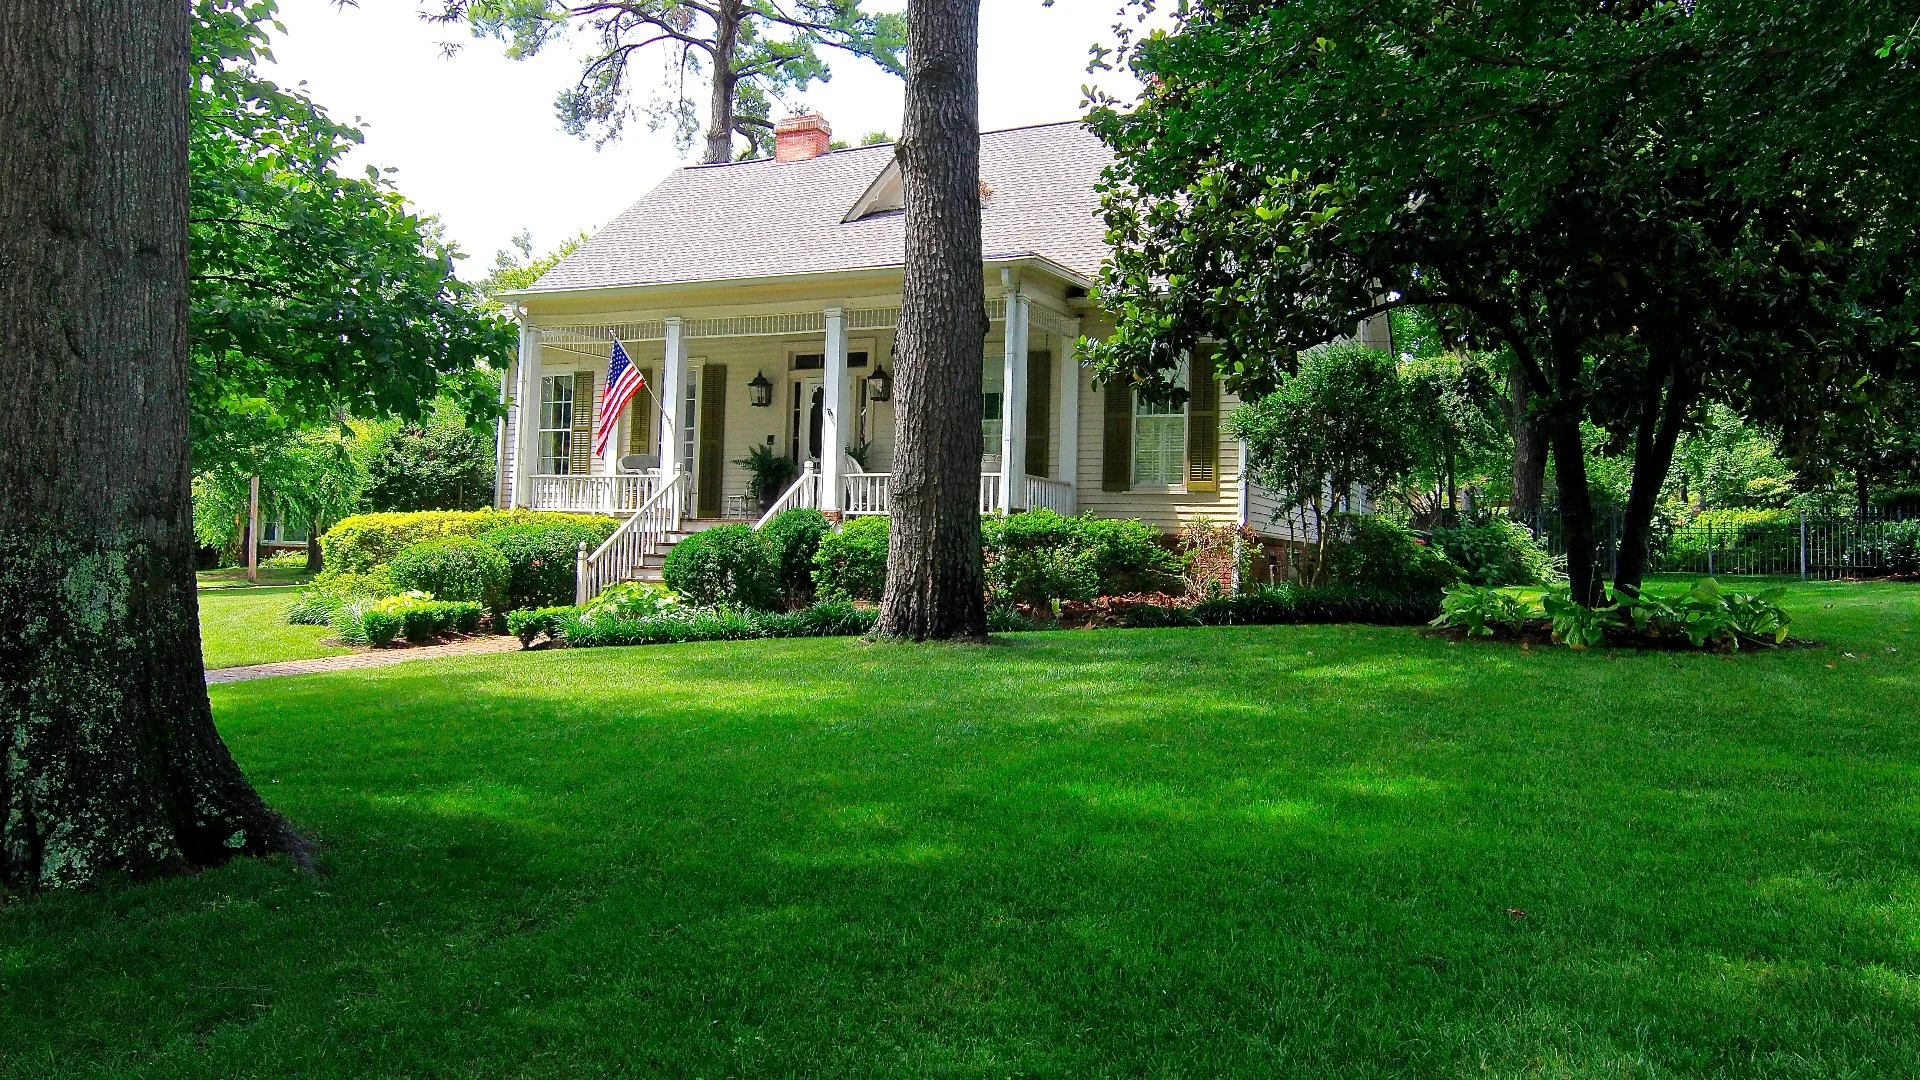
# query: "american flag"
623,381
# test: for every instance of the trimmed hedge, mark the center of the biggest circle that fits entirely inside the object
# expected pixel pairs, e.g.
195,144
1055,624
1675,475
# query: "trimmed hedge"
1276,605
360,543
455,568
852,563
541,558
1371,552
795,536
728,564
826,619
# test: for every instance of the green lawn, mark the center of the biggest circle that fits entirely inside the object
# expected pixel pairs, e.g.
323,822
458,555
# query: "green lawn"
248,625
1224,852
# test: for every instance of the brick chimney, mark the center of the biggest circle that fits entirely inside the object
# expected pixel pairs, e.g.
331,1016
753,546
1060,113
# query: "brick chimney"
801,138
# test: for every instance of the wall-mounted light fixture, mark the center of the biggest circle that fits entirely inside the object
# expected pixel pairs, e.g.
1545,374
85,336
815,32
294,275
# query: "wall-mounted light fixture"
880,384
762,390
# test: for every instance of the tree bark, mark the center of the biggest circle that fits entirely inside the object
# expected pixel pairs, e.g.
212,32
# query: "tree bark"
1562,428
726,37
315,561
1529,449
109,760
935,584
1659,433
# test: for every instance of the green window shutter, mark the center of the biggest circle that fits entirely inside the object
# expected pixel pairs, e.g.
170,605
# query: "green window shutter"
640,417
713,438
580,452
1039,396
1116,446
1203,423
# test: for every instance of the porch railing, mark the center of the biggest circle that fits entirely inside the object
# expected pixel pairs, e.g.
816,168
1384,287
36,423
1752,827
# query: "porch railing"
643,534
866,493
989,492
1045,494
802,492
622,493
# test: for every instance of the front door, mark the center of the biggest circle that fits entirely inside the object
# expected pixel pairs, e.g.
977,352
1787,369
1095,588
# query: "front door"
808,403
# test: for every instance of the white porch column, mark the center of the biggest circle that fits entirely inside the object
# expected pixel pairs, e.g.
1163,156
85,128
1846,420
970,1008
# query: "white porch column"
673,391
527,414
1013,405
833,443
1069,383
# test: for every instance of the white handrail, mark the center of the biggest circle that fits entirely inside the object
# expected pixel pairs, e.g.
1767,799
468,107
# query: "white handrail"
639,536
866,494
802,492
1048,494
989,492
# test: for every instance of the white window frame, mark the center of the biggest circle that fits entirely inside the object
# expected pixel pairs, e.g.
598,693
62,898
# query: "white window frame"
1161,418
554,411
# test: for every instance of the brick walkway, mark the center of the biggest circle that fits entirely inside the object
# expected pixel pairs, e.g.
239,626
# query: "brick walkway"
374,658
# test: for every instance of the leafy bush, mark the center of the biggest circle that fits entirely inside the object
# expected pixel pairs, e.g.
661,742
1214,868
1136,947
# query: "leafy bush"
317,604
529,623
630,600
541,557
1039,556
1292,604
1499,552
1215,556
730,564
1481,611
851,563
795,536
455,568
363,542
1895,546
827,619
1372,552
415,614
1006,619
1725,531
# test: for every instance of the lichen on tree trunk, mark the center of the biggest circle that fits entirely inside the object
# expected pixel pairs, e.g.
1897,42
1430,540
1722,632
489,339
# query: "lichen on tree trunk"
109,760
935,585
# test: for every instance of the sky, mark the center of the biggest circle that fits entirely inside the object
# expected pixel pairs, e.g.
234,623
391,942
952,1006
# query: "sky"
473,139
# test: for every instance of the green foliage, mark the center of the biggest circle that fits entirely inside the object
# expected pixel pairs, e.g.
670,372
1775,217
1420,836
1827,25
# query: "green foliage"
308,478
315,293
529,623
1127,555
365,541
1724,531
416,615
769,472
441,464
1040,556
1578,625
1481,611
454,568
630,600
831,618
728,564
1727,463
1291,604
542,557
1706,616
1895,546
1370,551
320,601
1496,552
519,268
795,536
852,562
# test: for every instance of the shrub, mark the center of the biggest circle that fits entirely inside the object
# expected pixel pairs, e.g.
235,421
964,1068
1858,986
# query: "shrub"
1895,546
827,619
1006,619
730,564
1216,556
1128,556
1372,552
541,557
795,536
415,614
1040,556
1704,617
1481,611
456,568
1498,552
630,600
529,623
1291,604
361,543
317,604
852,563
1725,531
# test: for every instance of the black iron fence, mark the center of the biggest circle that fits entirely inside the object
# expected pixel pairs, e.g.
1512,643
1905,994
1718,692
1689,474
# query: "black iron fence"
1798,543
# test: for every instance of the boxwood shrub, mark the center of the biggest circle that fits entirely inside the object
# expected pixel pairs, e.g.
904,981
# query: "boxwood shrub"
362,542
795,536
825,619
728,564
852,563
541,557
455,568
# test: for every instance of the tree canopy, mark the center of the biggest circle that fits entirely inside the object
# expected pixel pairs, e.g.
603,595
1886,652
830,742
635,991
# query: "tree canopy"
1653,206
749,51
316,294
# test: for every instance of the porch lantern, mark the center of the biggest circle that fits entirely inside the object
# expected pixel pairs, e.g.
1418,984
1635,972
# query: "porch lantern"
762,390
880,384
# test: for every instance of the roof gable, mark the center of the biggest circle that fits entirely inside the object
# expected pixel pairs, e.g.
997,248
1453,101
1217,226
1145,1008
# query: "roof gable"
829,213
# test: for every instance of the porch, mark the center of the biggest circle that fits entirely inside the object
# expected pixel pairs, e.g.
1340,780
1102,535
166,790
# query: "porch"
861,493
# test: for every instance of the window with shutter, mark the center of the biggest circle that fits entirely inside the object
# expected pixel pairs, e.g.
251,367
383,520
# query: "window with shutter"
554,448
580,453
713,446
1039,397
1203,423
1159,442
1116,444
640,416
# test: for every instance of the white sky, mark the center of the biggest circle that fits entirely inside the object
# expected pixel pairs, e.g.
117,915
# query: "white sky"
473,138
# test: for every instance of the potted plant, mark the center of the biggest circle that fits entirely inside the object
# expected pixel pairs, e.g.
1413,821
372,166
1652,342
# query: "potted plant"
769,474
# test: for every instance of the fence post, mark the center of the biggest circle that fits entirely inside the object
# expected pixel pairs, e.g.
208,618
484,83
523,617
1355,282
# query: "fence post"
1803,545
580,576
1709,547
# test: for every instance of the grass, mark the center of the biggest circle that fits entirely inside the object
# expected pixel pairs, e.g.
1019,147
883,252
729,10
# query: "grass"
1269,851
236,577
247,625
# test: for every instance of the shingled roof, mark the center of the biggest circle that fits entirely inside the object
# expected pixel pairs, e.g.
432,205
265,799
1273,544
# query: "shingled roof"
761,218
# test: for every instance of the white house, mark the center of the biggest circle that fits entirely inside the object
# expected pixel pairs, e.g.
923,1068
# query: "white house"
759,298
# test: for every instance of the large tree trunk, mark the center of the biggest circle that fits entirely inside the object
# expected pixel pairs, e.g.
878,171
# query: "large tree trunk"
109,761
1529,449
726,36
935,587
1660,423
1562,428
